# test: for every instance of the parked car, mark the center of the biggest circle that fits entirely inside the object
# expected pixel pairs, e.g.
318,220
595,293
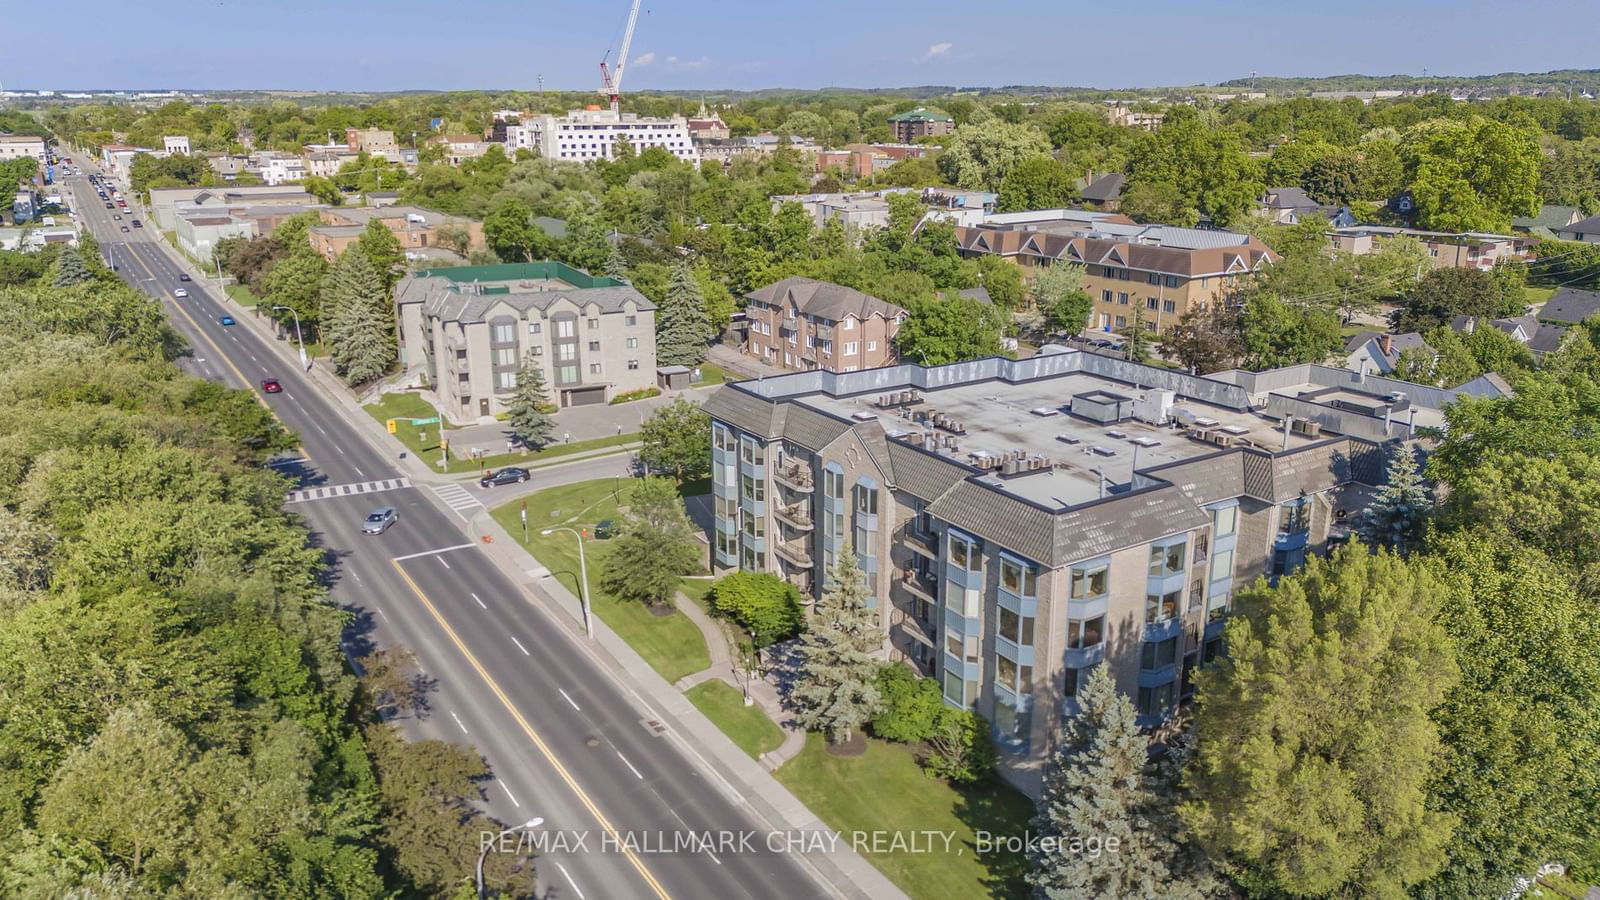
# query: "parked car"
508,475
605,529
379,520
271,386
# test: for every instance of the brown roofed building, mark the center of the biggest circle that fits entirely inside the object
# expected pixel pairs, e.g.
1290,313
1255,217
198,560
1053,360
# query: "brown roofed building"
801,324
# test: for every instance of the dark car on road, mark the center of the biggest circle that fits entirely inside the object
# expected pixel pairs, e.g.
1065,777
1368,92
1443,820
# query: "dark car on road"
379,520
183,276
271,386
508,475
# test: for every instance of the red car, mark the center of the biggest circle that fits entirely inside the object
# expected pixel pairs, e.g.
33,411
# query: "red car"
271,386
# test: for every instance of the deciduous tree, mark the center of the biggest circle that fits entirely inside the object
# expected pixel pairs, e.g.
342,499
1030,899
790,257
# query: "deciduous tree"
655,549
677,438
950,330
1058,293
980,156
1038,182
764,605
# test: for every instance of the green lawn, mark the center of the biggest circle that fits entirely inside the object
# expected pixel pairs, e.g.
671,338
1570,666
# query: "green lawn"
885,789
746,726
672,645
1536,295
409,405
711,373
241,295
551,451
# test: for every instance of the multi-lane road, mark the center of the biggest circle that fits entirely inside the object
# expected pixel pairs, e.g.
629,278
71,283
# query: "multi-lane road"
567,741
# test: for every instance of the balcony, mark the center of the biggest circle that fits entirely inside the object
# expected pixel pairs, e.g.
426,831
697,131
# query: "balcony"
911,627
922,544
801,581
919,585
795,553
794,515
794,476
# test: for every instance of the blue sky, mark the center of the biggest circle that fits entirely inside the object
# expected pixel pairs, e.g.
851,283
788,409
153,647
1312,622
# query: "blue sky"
709,44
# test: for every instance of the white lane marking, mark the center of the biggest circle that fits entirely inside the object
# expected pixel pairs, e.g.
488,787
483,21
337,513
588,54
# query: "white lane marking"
570,700
628,764
459,725
442,562
459,499
509,794
480,602
714,857
320,428
565,874
356,574
432,552
358,470
339,448
382,613
520,647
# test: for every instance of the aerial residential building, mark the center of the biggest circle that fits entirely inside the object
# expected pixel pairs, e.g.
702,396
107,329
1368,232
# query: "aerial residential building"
1586,230
459,147
1539,337
1463,250
705,126
466,330
281,168
372,141
1549,218
1378,353
1120,113
585,134
16,146
1570,306
1103,192
756,146
416,228
1291,205
176,143
327,163
1151,272
920,122
802,324
1020,522
859,210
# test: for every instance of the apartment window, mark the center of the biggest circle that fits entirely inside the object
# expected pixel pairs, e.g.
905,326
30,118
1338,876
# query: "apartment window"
724,438
505,356
567,374
1167,560
1170,281
965,554
1122,298
1159,608
505,381
872,346
1159,654
1225,520
594,346
1085,633
505,333
1089,582
1018,579
1124,275
1152,278
1222,565
1150,327
953,687
633,343
633,364
1016,628
752,488
1217,607
1151,303
811,342
564,328
1012,675
535,327
630,321
1170,306
850,348
755,526
848,325
1122,321
753,453
1105,296
1070,679
1155,701
594,368
566,352
833,483
866,500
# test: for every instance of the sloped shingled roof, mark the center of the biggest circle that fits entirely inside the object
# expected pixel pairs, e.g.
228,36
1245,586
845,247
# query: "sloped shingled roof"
824,299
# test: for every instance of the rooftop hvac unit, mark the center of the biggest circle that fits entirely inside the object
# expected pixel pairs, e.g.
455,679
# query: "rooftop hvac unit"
1155,407
1307,427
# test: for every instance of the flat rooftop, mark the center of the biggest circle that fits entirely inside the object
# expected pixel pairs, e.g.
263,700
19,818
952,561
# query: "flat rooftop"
1034,417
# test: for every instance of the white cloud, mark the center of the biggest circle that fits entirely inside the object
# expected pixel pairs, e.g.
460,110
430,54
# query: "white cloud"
644,59
698,63
937,50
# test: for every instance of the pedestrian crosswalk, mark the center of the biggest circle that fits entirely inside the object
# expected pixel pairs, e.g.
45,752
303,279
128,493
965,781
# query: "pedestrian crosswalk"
326,492
459,499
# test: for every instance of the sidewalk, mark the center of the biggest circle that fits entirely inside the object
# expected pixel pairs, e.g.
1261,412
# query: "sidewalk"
761,690
844,872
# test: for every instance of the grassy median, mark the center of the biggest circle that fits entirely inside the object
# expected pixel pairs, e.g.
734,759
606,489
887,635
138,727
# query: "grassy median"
746,726
671,644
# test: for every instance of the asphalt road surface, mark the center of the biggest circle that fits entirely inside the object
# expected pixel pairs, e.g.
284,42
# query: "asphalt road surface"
566,741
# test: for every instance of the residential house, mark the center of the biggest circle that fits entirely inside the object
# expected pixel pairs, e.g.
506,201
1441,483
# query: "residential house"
1539,337
31,239
1570,306
327,163
460,147
856,211
1586,230
801,324
1292,205
281,168
1153,273
1464,250
466,331
1019,522
417,228
1122,114
1378,353
1102,192
1545,223
920,122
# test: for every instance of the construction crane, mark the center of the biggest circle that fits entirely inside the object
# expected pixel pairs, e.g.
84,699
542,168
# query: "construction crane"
611,85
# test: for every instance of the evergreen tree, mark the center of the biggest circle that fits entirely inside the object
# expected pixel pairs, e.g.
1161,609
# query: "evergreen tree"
1099,782
528,419
585,245
359,329
70,269
1397,514
1138,339
616,265
837,691
682,330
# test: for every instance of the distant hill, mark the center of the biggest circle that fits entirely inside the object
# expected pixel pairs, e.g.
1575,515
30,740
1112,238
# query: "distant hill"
1506,82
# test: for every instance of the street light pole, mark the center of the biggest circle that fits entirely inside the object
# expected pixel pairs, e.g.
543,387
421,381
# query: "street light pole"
304,363
583,577
534,822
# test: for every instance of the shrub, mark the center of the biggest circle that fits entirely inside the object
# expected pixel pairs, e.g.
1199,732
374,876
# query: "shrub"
761,603
960,749
911,703
640,394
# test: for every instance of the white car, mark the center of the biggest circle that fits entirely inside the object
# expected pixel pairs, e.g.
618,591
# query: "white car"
180,293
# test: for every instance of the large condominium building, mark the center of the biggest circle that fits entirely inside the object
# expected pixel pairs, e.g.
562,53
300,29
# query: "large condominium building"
373,141
908,126
585,134
1461,250
802,323
1021,521
466,330
1153,273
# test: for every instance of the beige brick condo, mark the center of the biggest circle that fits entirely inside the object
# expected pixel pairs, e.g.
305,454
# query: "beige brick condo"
466,330
1020,521
802,323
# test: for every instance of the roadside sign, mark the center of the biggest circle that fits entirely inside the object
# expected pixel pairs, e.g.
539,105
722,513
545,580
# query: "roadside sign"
432,421
393,426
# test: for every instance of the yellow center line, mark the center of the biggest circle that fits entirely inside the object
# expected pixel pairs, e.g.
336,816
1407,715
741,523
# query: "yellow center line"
248,385
532,735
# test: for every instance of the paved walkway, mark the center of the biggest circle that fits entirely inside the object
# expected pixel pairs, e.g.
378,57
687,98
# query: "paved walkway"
762,691
739,365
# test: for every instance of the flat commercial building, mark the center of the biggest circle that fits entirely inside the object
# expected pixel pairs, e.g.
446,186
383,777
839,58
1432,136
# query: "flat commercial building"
415,227
585,134
16,146
1446,250
466,330
198,234
1021,521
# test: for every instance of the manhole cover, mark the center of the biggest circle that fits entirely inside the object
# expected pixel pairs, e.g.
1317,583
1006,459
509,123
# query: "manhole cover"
591,741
